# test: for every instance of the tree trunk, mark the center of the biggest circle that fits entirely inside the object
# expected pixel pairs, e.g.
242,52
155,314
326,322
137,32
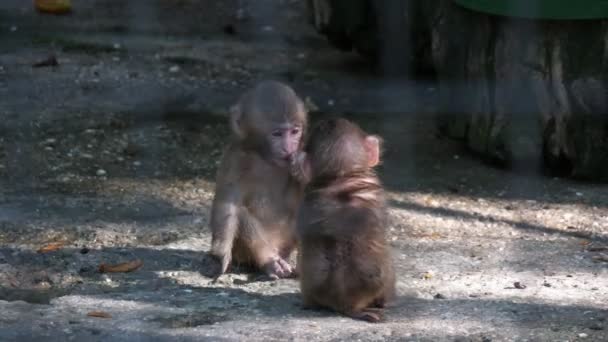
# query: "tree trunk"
514,90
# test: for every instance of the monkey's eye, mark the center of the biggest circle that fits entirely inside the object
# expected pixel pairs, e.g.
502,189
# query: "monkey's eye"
295,131
277,133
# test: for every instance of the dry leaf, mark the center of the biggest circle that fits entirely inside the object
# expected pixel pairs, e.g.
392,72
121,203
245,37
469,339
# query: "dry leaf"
122,267
584,242
53,6
435,236
99,314
50,247
427,275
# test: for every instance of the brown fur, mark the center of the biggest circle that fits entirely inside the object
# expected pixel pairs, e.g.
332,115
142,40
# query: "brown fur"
344,262
256,199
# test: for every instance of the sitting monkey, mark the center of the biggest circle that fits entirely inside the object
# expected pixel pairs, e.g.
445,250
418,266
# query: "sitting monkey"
344,260
256,198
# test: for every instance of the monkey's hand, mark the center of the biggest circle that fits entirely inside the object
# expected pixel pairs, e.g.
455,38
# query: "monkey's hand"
224,261
299,168
278,268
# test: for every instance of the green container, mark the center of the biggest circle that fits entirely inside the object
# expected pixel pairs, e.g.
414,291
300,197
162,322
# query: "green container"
541,9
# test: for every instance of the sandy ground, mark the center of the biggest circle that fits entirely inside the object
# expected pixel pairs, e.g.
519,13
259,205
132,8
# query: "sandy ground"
112,154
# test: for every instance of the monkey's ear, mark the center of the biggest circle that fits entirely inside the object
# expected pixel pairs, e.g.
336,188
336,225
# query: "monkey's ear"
235,120
372,147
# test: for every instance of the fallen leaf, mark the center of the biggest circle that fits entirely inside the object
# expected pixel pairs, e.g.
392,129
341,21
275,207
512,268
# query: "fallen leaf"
435,236
584,242
122,267
53,6
427,275
50,247
99,314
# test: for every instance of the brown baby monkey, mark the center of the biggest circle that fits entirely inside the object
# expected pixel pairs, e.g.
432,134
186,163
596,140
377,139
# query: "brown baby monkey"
344,261
256,198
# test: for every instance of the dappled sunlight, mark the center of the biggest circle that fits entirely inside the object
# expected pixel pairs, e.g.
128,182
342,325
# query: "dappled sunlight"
575,288
187,278
83,304
495,218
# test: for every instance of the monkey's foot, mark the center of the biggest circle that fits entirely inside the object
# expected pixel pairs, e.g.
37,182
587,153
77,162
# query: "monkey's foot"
278,268
372,315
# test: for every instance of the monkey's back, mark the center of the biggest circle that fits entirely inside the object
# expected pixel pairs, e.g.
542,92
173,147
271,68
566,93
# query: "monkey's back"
345,262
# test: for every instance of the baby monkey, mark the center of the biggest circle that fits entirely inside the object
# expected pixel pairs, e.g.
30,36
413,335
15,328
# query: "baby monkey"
344,261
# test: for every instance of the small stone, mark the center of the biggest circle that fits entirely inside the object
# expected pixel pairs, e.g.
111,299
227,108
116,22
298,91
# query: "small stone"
101,172
137,163
583,335
50,141
116,59
87,156
596,327
330,102
519,285
229,29
48,148
14,28
174,69
84,250
268,28
439,296
116,46
85,269
456,157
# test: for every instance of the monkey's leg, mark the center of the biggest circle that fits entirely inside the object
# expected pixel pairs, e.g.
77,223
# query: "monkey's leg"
264,254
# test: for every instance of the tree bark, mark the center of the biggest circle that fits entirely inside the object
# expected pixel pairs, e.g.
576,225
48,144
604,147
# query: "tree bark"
516,91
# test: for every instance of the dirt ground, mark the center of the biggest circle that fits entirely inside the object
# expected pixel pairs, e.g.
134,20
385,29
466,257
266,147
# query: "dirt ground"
112,154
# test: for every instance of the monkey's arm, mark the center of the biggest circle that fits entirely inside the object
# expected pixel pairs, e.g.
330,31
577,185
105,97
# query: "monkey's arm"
224,222
224,212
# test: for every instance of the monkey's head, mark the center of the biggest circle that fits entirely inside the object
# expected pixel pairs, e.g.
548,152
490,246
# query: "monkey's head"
271,120
338,147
